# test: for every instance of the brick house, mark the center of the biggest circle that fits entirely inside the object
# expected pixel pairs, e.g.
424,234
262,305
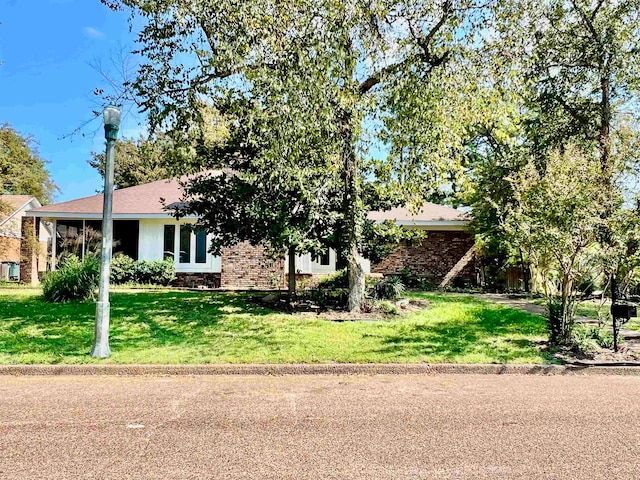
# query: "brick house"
144,229
10,229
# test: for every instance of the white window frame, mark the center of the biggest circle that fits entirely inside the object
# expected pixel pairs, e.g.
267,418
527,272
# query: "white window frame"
212,263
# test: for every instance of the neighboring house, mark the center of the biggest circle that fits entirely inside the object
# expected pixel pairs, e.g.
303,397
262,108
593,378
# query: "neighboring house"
10,229
145,230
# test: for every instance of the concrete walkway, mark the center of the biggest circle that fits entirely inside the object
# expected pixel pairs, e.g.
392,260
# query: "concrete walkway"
631,337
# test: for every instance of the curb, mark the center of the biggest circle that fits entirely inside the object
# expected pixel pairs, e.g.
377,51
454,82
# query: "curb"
315,369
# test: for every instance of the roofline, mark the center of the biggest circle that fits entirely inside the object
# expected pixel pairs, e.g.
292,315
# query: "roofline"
98,216
433,224
20,209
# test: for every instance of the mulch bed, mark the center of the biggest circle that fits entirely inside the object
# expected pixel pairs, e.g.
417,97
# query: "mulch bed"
309,308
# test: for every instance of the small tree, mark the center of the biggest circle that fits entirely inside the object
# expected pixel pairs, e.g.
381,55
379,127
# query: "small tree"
556,218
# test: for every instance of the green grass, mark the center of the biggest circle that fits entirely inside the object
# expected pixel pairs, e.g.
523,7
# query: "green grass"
202,327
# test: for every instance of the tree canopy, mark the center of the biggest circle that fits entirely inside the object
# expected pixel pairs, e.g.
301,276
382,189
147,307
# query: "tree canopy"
136,161
318,84
22,170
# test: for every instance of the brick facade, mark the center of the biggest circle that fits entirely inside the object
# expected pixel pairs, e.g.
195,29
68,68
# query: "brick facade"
433,259
191,280
29,252
246,266
9,249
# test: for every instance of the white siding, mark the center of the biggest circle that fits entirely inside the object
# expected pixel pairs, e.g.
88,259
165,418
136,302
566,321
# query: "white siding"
151,246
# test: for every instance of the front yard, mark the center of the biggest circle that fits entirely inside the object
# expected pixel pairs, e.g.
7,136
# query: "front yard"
167,326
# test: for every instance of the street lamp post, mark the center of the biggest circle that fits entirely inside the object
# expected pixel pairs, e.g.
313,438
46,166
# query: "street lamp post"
101,345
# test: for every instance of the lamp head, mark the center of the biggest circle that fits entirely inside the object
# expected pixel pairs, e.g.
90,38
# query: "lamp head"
112,117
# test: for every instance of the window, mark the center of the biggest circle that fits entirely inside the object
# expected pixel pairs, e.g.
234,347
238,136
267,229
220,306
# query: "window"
185,244
323,259
201,247
169,242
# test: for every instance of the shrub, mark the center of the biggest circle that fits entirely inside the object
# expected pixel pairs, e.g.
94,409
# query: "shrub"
158,272
122,270
389,288
389,308
339,279
73,280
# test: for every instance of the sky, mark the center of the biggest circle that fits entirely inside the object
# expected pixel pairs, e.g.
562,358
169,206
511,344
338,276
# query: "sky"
47,49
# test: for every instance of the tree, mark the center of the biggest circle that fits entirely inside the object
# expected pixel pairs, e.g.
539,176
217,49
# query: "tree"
22,171
583,63
137,161
363,71
555,218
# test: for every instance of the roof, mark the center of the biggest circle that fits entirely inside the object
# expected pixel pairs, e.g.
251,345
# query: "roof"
17,202
429,213
142,200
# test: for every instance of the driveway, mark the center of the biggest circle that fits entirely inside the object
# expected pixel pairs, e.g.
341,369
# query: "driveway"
316,427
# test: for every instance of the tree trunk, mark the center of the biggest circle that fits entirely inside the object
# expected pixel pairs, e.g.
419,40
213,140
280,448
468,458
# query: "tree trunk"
353,224
525,273
292,273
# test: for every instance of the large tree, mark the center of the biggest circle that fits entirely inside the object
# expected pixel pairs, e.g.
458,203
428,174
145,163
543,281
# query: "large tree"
22,170
359,71
136,161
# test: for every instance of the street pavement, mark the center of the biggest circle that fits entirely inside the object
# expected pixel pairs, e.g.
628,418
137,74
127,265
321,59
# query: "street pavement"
317,427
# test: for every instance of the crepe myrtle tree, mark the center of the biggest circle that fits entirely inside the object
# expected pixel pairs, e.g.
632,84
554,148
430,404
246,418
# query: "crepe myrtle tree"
361,72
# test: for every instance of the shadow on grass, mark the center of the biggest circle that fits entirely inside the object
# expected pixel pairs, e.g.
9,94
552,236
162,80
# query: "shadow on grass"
139,320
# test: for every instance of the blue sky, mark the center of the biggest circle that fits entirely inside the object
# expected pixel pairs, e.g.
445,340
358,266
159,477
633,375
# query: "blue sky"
46,81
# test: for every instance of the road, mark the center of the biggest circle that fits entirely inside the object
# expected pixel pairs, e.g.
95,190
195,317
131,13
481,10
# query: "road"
317,427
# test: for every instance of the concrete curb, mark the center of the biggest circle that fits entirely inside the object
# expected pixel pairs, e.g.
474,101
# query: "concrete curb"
312,369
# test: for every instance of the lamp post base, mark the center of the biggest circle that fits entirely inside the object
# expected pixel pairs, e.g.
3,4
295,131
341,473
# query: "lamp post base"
101,346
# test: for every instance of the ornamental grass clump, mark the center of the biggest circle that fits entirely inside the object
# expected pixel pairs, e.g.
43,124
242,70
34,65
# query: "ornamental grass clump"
74,279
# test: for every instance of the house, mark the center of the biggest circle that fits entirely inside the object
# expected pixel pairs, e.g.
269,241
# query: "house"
14,209
144,229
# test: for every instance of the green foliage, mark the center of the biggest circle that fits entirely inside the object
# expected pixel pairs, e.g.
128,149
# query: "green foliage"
338,279
123,269
303,105
416,282
136,161
586,338
154,272
556,220
22,171
388,307
147,272
73,280
389,288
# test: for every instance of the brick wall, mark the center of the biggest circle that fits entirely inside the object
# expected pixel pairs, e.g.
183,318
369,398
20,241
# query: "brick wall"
245,266
29,252
185,279
433,259
9,249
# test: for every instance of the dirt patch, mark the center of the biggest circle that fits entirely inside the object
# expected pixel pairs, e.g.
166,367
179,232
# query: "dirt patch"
388,310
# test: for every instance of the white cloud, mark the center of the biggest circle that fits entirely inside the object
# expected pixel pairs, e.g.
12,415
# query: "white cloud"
93,32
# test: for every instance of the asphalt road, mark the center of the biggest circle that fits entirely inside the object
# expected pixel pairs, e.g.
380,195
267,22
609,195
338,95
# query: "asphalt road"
315,427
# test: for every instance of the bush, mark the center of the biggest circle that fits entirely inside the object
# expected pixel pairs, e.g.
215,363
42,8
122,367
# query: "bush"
158,272
73,280
122,270
125,269
340,279
389,288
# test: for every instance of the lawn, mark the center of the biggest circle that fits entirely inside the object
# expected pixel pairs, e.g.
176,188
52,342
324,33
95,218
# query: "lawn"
167,326
591,308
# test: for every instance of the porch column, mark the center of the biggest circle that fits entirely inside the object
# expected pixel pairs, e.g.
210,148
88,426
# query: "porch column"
29,247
